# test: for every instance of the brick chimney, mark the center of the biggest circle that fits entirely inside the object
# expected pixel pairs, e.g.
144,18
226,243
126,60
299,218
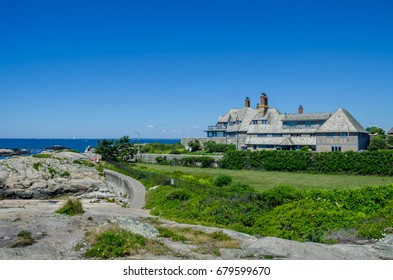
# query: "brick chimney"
247,102
300,110
264,100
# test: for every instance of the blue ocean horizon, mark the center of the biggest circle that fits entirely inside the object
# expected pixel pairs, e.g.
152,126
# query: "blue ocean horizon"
35,146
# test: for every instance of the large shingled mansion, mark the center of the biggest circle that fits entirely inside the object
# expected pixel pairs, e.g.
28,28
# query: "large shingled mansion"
268,128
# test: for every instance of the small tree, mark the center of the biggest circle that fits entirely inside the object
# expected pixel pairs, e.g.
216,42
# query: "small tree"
106,148
124,148
377,143
375,130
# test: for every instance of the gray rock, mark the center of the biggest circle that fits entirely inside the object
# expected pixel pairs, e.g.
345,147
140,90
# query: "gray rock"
41,178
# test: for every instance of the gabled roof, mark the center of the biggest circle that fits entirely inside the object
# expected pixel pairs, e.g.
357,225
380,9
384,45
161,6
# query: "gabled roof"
287,142
390,131
341,121
307,117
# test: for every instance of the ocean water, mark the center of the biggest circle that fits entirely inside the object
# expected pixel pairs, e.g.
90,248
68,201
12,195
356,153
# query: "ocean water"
35,146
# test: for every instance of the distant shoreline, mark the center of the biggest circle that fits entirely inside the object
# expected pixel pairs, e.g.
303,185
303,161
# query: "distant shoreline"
37,145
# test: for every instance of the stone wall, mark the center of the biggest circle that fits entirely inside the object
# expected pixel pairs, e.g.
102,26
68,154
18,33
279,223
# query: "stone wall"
120,185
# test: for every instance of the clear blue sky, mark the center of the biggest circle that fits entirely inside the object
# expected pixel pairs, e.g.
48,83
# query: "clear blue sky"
168,69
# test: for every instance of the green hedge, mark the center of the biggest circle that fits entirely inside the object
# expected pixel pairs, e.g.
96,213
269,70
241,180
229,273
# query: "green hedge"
361,163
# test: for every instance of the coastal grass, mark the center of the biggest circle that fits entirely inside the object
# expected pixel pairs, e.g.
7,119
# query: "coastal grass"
24,238
112,242
42,156
207,243
71,207
263,180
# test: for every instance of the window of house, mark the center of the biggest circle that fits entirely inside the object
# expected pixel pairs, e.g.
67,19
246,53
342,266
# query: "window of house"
343,134
336,149
261,135
329,134
254,122
264,121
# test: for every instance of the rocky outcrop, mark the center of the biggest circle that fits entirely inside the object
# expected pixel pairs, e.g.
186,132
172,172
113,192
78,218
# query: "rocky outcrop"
13,152
42,178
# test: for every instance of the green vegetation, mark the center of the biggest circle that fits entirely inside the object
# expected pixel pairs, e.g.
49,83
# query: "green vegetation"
100,169
42,155
71,207
363,163
37,165
375,130
65,174
313,215
52,171
112,241
213,147
158,148
195,145
24,238
116,149
208,243
378,143
203,162
222,180
261,180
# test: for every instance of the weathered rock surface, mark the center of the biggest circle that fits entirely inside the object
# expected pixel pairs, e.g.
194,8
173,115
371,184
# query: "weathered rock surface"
30,177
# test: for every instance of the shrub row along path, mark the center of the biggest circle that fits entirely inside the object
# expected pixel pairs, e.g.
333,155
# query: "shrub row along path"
62,237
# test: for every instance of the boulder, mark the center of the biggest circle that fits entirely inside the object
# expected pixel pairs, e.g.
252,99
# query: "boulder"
42,178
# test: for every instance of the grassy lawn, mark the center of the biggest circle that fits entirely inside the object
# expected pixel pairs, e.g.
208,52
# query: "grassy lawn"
262,180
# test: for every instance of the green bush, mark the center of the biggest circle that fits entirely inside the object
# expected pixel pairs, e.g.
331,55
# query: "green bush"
213,147
37,165
115,242
222,180
71,207
24,238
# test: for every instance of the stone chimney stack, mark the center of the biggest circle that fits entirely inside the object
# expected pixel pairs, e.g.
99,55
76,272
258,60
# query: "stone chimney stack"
247,102
300,110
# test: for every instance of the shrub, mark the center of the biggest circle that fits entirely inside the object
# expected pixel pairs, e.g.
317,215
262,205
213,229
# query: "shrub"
213,147
194,145
222,180
37,165
112,242
42,155
65,174
71,207
24,238
162,161
179,194
365,163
